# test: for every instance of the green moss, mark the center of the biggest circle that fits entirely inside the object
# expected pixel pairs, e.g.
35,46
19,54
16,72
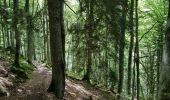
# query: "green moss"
24,71
48,65
75,75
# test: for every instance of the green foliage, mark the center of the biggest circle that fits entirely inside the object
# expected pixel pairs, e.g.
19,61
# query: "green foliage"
10,49
24,71
48,65
75,75
104,39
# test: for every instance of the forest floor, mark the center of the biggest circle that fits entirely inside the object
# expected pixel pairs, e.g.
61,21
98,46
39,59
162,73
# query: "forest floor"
36,87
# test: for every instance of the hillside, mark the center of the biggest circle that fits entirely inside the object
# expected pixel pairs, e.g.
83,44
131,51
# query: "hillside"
35,88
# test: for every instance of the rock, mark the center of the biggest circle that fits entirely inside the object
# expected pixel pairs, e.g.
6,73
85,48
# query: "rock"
12,76
23,88
3,91
49,96
28,91
20,90
5,82
3,72
83,97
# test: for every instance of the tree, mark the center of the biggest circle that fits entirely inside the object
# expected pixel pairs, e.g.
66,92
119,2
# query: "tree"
55,9
89,31
17,34
137,50
6,31
131,29
164,90
122,45
30,33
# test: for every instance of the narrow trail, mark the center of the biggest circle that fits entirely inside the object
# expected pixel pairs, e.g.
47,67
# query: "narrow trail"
36,88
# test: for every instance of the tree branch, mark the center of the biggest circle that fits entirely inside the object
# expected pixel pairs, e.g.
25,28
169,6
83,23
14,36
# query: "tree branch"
147,31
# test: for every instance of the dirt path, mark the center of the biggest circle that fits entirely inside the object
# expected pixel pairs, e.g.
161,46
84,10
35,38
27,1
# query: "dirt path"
35,88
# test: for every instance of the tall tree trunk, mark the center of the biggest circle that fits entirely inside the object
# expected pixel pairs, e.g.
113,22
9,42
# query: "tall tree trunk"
17,34
122,45
6,24
55,9
3,34
89,33
30,33
44,33
133,81
48,40
131,25
159,58
11,34
164,91
137,52
12,38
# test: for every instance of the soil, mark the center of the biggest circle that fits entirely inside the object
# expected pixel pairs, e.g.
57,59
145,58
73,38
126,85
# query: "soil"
36,88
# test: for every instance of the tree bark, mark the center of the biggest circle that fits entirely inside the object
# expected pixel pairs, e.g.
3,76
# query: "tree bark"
89,26
131,25
5,16
159,57
17,34
122,45
55,9
48,40
30,33
137,52
164,91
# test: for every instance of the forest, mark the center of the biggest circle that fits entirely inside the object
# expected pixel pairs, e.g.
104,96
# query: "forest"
84,49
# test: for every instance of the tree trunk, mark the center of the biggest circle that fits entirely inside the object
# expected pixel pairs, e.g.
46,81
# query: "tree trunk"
44,34
133,81
30,34
89,26
164,91
131,25
57,39
159,58
17,34
137,52
121,46
5,16
48,40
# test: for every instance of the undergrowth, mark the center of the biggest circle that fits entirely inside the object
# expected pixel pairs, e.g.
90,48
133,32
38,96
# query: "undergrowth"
22,72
